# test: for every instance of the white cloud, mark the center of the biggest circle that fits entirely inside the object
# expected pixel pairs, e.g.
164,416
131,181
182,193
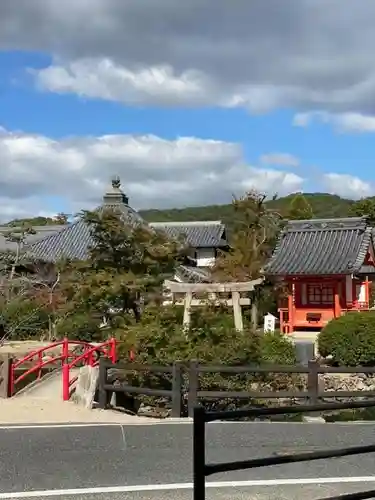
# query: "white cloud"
309,55
155,172
280,159
347,186
342,122
104,79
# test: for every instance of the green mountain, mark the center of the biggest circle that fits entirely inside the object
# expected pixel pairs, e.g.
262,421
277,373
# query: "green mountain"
323,206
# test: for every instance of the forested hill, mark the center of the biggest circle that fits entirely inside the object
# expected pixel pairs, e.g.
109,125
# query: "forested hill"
323,206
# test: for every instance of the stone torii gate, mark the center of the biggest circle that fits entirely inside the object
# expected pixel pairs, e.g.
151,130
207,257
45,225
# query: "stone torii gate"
183,294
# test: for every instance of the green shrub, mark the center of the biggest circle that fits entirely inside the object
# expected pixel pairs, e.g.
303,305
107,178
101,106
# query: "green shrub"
277,349
212,340
80,327
24,319
349,339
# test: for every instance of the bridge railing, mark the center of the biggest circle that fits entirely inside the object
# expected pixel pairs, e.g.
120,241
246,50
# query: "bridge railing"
201,469
65,354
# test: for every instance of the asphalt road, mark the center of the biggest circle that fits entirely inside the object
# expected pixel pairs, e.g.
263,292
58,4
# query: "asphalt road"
127,457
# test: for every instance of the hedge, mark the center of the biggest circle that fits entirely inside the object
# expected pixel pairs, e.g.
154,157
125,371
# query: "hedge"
349,339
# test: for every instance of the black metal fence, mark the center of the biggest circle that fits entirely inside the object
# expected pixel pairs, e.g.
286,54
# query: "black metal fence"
201,469
190,389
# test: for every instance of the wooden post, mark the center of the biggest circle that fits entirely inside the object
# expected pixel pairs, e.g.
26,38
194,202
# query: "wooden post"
102,382
313,382
337,305
367,288
176,389
187,309
199,454
237,311
290,310
193,387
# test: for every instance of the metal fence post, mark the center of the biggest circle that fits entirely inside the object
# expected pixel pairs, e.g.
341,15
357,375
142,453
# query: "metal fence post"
176,389
199,453
103,363
193,387
313,382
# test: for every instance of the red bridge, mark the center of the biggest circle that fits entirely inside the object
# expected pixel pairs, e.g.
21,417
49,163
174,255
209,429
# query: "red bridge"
66,355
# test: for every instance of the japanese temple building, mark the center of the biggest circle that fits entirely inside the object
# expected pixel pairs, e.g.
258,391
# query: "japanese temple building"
73,241
327,267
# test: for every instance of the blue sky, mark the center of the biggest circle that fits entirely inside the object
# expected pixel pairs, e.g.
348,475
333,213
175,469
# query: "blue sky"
184,124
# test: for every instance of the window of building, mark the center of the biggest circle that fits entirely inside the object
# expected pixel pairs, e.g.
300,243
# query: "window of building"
320,294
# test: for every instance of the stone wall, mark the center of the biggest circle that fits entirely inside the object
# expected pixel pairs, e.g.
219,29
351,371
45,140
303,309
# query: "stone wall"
347,382
5,364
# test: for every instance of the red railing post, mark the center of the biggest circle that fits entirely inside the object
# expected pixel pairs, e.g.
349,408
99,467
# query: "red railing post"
90,358
65,370
112,350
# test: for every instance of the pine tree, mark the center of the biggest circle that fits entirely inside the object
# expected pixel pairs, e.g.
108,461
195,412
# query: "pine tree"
364,207
299,208
126,265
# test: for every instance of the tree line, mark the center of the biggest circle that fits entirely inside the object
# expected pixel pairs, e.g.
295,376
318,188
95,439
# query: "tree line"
322,205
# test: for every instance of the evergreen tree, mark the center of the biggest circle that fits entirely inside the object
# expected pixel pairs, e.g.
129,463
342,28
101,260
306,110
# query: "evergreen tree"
364,207
126,266
299,208
252,241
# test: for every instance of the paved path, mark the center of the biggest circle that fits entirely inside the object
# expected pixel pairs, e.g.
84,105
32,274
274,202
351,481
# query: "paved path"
118,460
50,387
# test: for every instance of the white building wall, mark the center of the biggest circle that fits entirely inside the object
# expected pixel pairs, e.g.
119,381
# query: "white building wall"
205,257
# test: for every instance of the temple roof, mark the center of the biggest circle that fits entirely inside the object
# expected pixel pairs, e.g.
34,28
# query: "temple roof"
73,241
198,234
321,247
40,232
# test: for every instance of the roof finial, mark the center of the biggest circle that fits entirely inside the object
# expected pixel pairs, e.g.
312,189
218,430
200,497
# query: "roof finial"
116,182
114,195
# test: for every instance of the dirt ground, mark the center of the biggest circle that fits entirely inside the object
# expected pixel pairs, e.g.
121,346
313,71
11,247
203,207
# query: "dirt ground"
29,410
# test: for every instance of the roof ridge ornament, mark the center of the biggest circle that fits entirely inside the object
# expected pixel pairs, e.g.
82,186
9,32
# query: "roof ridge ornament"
115,195
116,182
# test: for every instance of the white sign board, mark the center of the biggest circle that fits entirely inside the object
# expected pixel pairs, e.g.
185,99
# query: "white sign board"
269,323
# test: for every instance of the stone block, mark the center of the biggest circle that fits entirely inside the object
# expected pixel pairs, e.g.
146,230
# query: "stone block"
5,366
86,387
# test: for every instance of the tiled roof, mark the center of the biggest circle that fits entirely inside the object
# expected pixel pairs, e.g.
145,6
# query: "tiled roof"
73,241
40,233
198,234
192,274
321,247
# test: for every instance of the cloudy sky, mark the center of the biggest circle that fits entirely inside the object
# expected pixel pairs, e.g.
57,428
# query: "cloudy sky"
188,102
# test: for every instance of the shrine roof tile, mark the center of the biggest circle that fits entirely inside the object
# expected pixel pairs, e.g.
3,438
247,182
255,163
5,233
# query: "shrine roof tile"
321,247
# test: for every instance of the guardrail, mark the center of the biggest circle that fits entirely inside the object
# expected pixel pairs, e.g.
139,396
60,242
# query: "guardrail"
201,469
62,353
175,393
191,391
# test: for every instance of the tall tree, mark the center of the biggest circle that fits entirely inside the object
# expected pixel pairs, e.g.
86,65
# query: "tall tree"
299,208
254,232
127,264
364,207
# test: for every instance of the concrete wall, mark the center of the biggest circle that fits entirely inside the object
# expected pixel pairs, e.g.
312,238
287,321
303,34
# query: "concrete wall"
5,364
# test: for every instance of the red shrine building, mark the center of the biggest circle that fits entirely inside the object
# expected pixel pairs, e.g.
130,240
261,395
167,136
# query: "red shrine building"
326,266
